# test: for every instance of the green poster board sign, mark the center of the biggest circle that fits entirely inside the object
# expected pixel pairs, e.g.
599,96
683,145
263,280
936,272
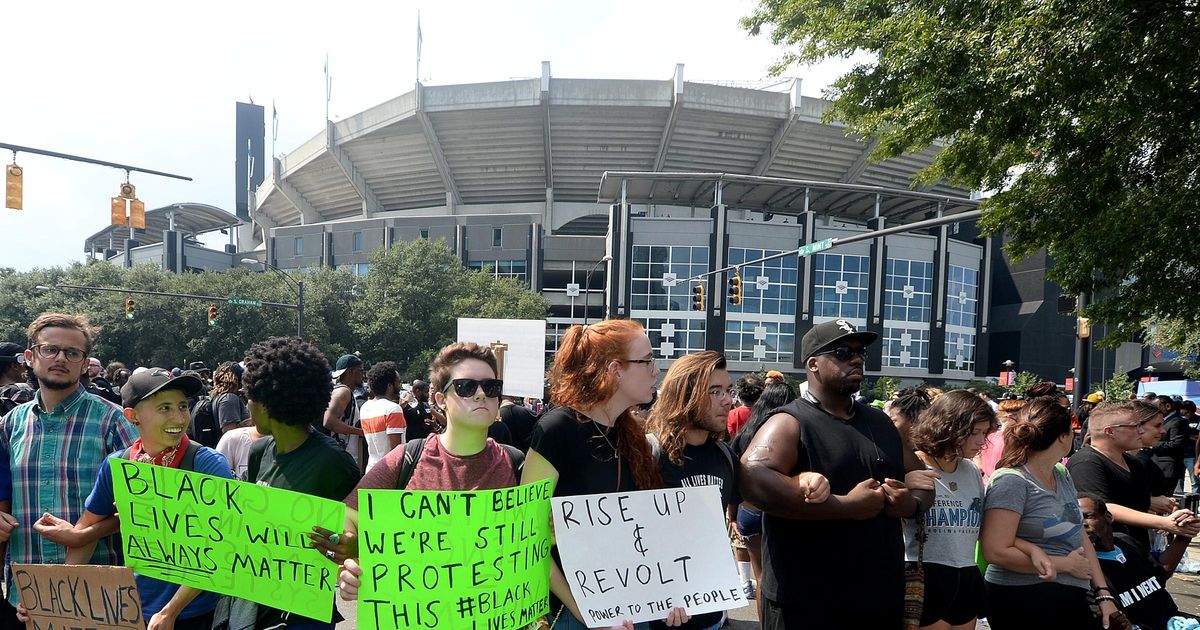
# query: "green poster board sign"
475,560
225,536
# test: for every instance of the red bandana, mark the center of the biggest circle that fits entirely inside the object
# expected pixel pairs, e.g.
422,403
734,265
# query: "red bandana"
137,454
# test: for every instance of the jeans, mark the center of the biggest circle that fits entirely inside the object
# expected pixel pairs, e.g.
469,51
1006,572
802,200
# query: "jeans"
567,621
1189,466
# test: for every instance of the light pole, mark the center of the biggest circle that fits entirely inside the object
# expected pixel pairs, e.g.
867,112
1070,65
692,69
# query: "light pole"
297,284
587,286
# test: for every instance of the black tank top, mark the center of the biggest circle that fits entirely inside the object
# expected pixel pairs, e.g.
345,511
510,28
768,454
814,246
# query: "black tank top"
847,572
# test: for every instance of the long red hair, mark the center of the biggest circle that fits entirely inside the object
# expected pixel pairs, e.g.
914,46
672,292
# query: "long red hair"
580,380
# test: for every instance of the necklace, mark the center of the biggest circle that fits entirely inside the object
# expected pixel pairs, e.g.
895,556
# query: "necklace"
616,455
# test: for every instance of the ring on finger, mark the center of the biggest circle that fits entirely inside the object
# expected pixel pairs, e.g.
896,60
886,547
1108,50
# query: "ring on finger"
329,554
334,538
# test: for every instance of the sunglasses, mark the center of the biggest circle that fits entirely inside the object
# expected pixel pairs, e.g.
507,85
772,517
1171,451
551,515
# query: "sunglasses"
466,387
842,353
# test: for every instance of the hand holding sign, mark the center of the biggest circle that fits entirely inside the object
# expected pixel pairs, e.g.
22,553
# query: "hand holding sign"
637,555
83,596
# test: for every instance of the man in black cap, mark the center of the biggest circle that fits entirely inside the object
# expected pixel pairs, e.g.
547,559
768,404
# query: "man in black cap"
13,388
838,563
341,417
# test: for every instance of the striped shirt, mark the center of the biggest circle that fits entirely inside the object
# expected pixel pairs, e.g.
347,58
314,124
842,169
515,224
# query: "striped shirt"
49,460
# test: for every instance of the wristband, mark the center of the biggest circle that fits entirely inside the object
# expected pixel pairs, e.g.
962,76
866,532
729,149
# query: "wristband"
1106,598
1097,589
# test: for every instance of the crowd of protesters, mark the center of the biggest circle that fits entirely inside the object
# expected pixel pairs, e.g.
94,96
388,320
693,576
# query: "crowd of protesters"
936,510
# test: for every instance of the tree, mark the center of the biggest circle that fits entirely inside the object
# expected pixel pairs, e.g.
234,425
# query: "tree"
1022,383
1178,336
414,294
1118,388
1083,115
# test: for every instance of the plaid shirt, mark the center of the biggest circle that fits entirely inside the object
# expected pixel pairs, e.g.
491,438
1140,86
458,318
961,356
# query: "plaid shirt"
48,463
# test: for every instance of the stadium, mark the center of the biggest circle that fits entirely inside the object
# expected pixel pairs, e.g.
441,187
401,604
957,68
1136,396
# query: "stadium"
606,195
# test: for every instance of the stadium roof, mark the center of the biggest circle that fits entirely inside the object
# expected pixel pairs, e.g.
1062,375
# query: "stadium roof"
777,195
190,218
513,141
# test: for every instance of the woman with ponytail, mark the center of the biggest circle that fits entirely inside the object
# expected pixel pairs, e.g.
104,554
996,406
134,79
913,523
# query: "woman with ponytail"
1041,565
590,443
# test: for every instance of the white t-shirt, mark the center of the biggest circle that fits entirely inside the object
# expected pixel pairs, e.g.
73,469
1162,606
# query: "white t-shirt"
952,523
235,446
380,418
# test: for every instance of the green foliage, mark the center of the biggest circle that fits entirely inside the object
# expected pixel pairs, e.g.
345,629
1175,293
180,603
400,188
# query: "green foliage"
1082,114
1022,383
404,310
1176,335
414,294
1119,387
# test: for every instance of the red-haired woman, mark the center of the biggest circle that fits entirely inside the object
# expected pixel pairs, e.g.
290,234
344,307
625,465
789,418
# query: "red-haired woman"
590,443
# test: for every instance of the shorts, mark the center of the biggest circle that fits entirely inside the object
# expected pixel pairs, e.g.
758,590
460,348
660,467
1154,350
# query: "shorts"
952,594
749,523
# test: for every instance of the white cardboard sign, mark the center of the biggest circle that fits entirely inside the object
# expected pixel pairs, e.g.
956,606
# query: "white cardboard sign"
637,555
524,358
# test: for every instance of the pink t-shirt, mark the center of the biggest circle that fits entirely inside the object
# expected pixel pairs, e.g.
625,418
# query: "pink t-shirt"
990,455
438,469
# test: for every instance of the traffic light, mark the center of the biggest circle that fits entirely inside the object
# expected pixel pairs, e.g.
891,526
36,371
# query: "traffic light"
212,315
1083,328
735,289
129,312
13,186
698,297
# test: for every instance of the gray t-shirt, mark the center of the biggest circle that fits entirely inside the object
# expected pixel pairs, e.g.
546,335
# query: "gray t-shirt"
952,523
1050,520
229,409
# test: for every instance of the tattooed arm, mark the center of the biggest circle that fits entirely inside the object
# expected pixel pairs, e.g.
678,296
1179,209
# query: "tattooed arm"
769,465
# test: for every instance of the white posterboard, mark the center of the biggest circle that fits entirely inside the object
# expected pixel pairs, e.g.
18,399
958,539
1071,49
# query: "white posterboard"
524,359
637,555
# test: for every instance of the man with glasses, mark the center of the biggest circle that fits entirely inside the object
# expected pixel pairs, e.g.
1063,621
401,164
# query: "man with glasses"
833,557
1105,469
53,446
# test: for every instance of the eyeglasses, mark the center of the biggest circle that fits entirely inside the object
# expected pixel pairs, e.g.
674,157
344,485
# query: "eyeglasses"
1130,425
46,351
719,394
843,353
466,387
642,361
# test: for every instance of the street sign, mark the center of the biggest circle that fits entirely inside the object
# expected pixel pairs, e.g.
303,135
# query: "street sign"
812,248
243,302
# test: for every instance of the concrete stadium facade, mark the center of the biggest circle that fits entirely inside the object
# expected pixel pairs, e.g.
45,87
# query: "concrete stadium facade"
541,179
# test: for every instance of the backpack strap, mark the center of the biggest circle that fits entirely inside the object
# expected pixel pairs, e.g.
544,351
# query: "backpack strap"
516,457
412,453
189,456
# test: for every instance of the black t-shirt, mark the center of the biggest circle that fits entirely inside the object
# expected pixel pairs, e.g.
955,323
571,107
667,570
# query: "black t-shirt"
1139,584
414,421
1160,486
842,573
500,433
520,422
318,467
704,465
1093,473
583,454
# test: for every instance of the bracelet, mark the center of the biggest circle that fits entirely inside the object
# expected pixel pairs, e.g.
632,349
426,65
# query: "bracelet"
1106,598
1097,589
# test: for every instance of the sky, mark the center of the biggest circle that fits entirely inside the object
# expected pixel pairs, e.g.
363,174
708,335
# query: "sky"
153,84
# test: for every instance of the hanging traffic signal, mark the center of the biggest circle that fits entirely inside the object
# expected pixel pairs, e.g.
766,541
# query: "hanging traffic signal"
735,289
13,186
129,312
212,315
698,297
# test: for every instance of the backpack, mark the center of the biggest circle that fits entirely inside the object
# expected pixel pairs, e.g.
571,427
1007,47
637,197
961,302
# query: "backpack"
203,428
414,448
13,395
187,463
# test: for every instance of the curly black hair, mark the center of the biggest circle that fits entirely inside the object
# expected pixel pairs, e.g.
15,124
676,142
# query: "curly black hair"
380,376
290,377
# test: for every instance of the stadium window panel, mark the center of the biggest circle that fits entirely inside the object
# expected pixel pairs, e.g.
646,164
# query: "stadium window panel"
357,239
905,347
298,246
515,269
653,262
840,287
962,306
960,351
908,291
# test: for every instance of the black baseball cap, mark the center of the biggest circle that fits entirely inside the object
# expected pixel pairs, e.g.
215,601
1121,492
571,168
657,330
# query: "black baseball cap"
345,362
12,352
146,383
826,334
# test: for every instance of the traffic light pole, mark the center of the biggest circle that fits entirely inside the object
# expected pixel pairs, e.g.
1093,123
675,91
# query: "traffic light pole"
299,306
